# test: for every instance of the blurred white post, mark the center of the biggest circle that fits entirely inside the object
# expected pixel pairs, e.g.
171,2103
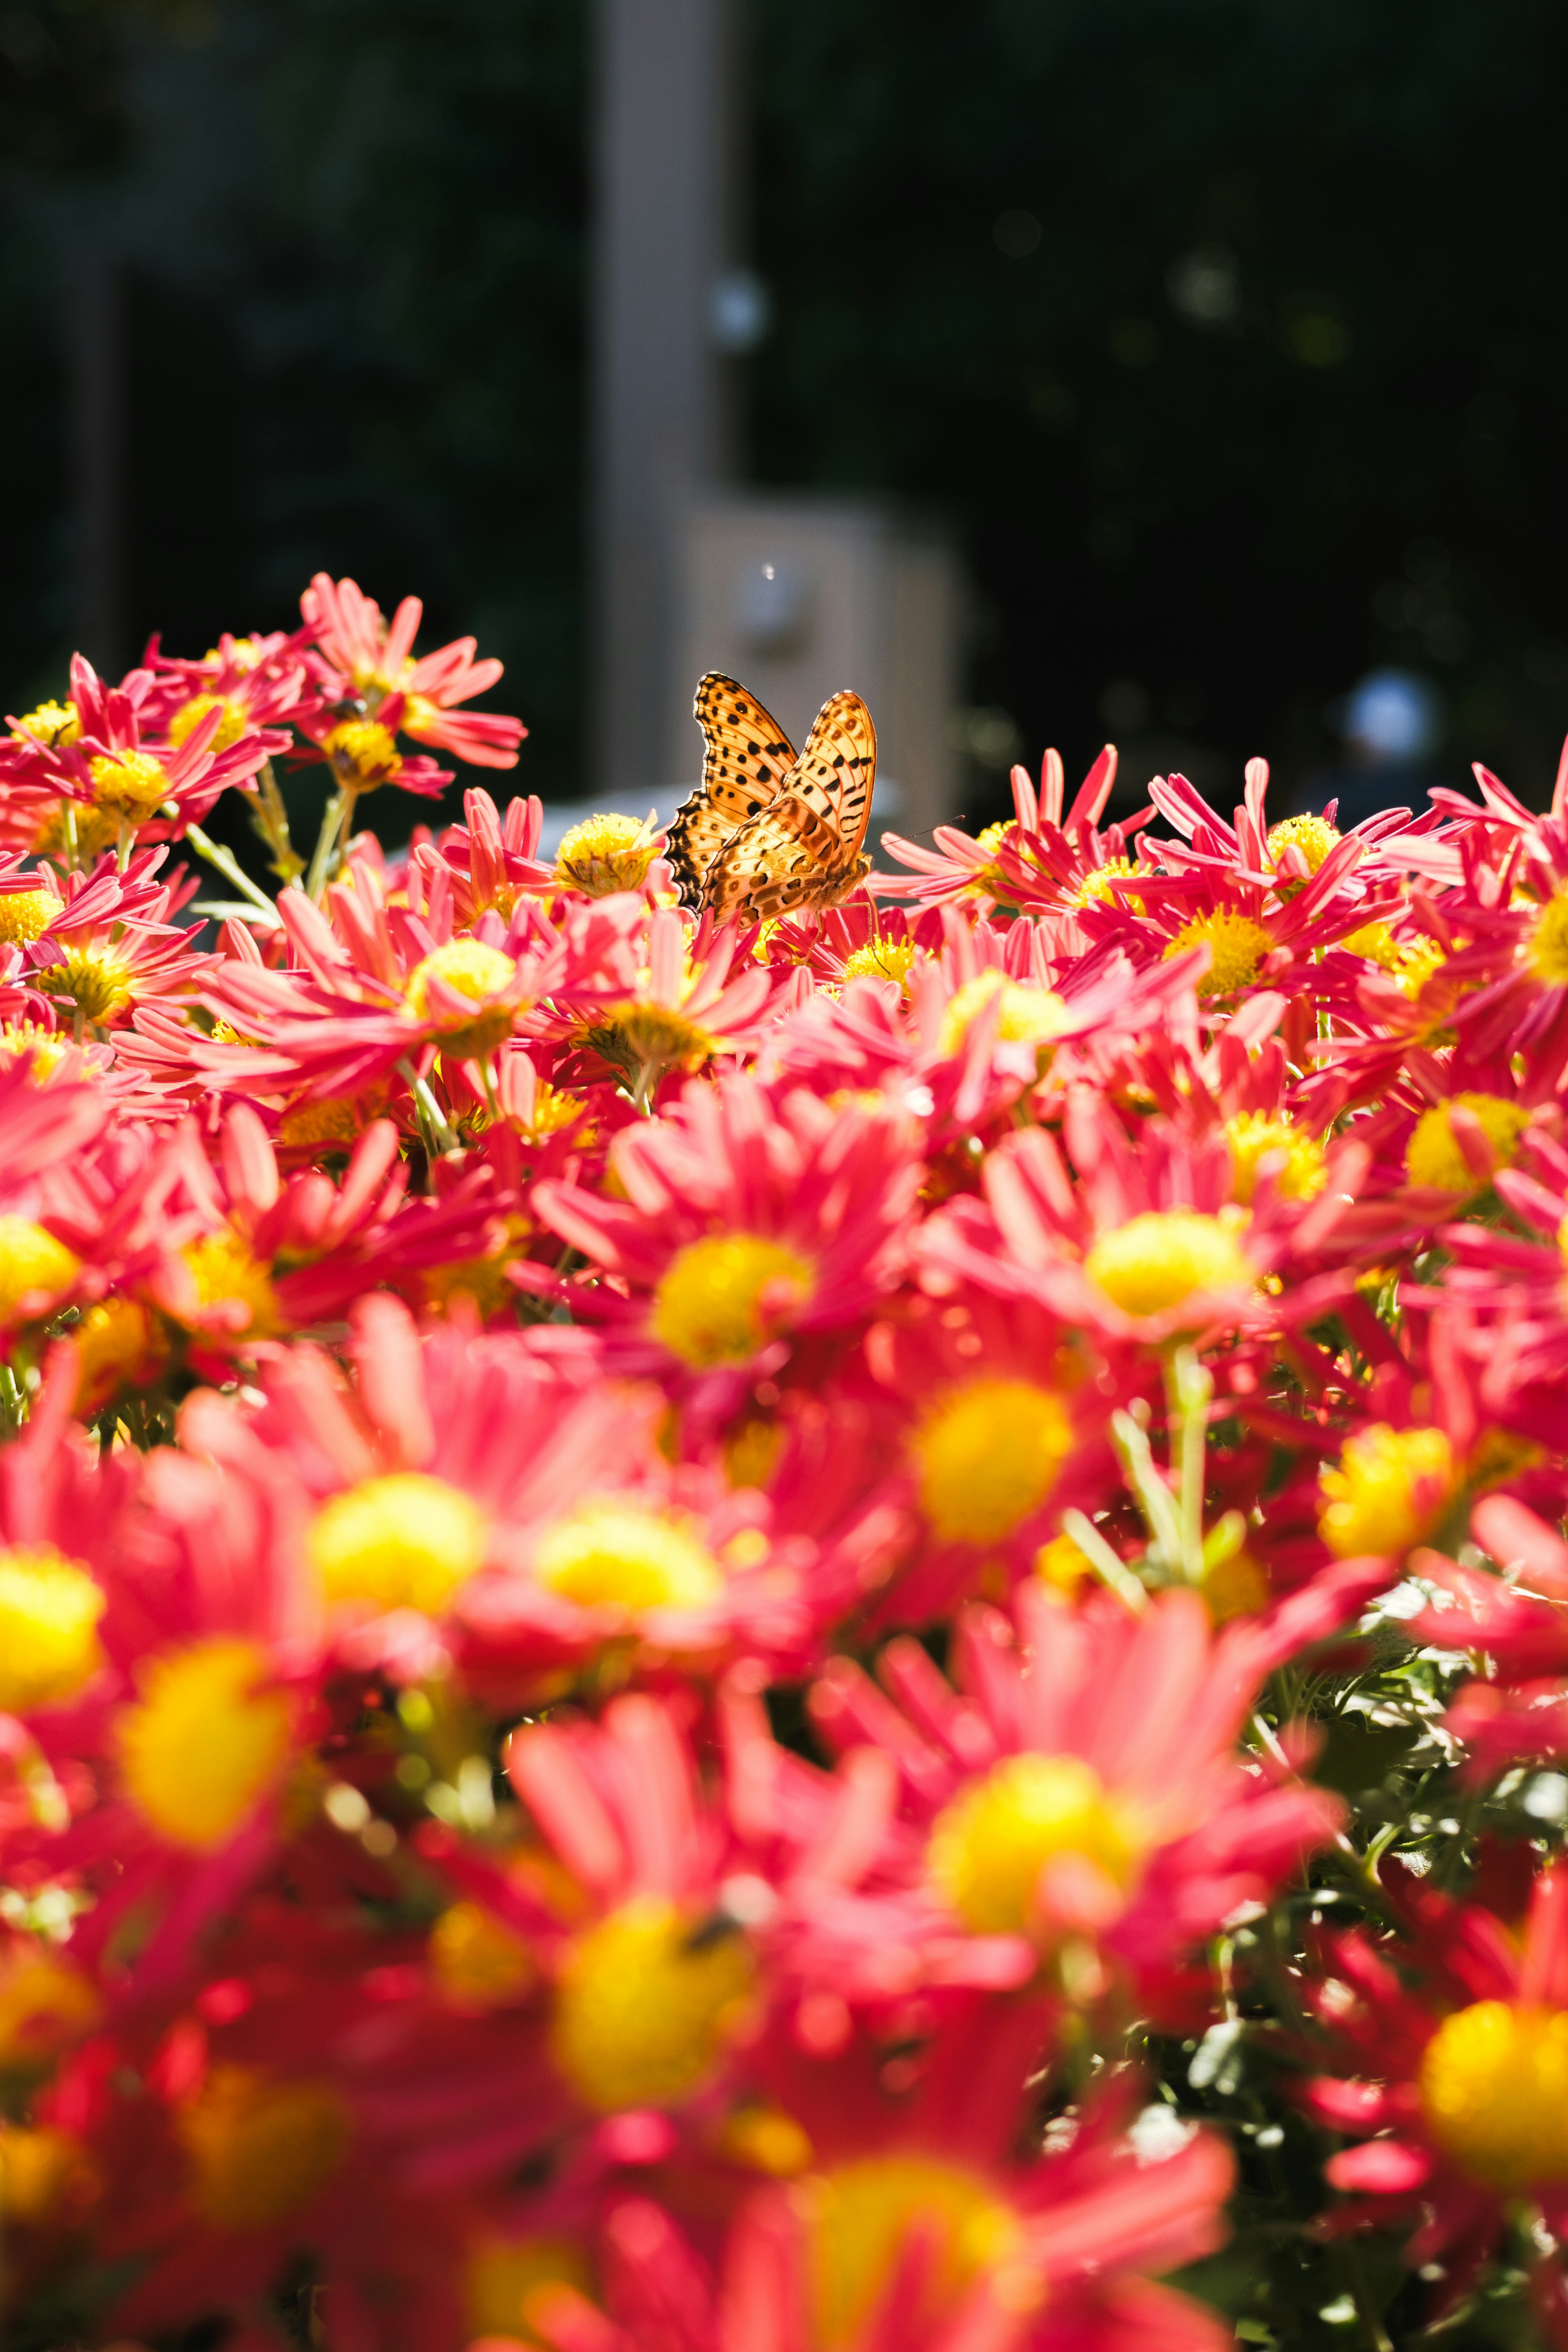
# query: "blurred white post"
669,140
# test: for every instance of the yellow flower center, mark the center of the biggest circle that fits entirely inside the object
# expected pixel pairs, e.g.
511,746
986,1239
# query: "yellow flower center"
988,881
1237,947
49,1609
504,2275
45,2002
129,784
1390,1487
1236,1587
1494,2091
49,1051
721,1299
115,1343
1415,962
637,1037
881,959
860,2216
1028,1016
643,2010
224,1272
751,1452
33,1266
986,1456
1101,885
605,854
404,1541
1252,1135
1377,943
1432,1155
988,1848
319,1122
476,1960
363,753
202,1744
1314,836
230,726
95,980
611,1555
39,2170
766,2139
53,724
467,967
1155,1261
26,914
1549,947
261,2147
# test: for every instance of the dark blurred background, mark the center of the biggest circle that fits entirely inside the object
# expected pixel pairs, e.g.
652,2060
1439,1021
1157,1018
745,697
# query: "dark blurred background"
1225,338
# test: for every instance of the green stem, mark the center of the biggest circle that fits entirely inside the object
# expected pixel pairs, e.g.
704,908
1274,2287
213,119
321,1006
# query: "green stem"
229,867
438,1136
335,820
1111,1570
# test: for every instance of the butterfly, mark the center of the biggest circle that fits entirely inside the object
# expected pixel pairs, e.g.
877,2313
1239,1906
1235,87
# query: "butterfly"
767,832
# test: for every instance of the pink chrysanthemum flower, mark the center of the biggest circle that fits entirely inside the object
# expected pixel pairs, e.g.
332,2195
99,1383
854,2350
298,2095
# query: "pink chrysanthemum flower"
361,652
747,1215
1455,2051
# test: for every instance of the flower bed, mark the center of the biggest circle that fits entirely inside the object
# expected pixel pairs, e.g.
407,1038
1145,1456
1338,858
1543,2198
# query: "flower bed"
816,1638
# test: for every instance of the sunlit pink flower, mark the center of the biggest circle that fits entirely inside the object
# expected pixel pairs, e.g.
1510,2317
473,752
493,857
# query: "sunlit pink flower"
360,651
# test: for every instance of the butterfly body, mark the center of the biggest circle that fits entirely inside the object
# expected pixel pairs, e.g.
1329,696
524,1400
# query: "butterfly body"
766,833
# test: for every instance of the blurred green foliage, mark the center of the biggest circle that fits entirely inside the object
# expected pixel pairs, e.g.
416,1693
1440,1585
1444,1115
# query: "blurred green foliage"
1224,330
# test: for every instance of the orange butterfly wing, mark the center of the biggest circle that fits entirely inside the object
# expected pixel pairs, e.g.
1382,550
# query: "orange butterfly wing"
803,848
747,757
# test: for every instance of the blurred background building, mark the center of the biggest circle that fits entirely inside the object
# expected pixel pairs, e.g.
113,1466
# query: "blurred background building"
1173,370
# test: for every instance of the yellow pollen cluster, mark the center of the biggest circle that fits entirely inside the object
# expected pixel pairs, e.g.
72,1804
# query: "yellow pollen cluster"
49,1609
1235,1587
1099,886
404,1541
1377,942
721,1298
1549,947
26,914
205,1740
34,1269
1254,1136
1314,836
503,2276
988,1848
881,959
45,2002
1061,1566
860,2216
39,2168
225,1274
49,1051
52,723
116,1342
1433,1157
130,784
1159,1259
95,980
306,1123
230,726
1390,1489
619,1555
1237,947
643,2007
1494,2093
478,972
986,1455
1028,1016
1416,961
363,753
604,854
766,2139
637,1037
988,881
261,2147
476,1960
